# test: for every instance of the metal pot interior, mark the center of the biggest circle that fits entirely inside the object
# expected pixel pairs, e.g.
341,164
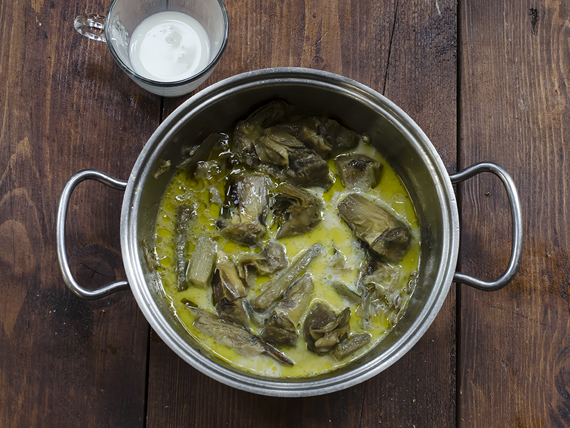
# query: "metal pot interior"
393,133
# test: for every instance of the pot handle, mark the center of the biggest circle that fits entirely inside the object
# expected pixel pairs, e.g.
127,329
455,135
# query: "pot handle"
70,281
516,249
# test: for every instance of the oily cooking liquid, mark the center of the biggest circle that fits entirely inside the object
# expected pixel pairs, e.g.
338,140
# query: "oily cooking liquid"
332,232
169,46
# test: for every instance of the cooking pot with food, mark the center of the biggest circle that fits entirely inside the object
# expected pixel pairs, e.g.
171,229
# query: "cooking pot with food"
390,131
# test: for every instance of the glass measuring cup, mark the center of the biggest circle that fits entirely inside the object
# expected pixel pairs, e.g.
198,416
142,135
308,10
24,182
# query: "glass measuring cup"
123,17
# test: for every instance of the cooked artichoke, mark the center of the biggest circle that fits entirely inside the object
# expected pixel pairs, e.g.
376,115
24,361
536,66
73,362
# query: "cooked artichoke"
281,327
325,136
380,284
313,140
274,145
201,264
338,137
237,338
228,283
248,131
228,292
384,233
270,260
248,201
274,289
351,345
323,329
298,210
346,292
183,215
234,312
196,154
308,169
358,171
150,255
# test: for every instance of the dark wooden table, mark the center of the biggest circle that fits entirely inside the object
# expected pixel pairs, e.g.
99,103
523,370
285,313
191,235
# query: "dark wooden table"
487,81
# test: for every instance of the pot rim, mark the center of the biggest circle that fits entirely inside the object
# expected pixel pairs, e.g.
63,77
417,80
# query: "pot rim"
242,380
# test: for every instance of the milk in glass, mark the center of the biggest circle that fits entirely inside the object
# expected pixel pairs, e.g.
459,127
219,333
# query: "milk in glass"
169,46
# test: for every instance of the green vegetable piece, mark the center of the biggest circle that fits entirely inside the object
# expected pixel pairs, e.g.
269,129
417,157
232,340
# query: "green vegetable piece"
275,289
150,255
237,338
384,233
351,345
281,328
183,216
201,264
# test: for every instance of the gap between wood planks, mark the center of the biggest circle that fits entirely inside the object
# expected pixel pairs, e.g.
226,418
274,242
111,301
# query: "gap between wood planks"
149,328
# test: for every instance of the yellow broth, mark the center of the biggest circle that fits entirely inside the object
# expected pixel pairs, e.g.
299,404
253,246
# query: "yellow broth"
331,233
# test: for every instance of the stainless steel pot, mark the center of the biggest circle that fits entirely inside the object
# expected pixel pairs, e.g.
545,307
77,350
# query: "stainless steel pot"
406,148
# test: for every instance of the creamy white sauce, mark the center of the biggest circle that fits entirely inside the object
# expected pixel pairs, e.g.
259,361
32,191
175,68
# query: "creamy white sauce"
169,46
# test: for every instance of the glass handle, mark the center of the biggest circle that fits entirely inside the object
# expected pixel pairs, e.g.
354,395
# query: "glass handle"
91,25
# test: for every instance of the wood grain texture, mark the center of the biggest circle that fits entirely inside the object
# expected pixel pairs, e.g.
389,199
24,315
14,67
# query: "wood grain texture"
65,106
515,111
407,50
419,390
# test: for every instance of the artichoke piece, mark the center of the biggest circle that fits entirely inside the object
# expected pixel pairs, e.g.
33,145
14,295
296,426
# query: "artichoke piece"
274,145
183,215
228,284
380,284
325,136
237,338
281,328
319,315
248,131
401,299
358,171
384,233
234,312
299,210
294,125
308,169
270,260
305,129
274,289
351,345
338,262
313,140
228,292
258,319
338,137
197,153
248,196
150,256
370,305
382,275
323,329
201,265
346,292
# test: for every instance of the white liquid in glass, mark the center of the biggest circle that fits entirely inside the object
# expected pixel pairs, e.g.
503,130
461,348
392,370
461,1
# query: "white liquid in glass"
169,46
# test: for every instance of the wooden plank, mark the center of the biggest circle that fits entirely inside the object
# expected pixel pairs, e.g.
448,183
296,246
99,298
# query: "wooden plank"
354,39
420,389
515,103
65,106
